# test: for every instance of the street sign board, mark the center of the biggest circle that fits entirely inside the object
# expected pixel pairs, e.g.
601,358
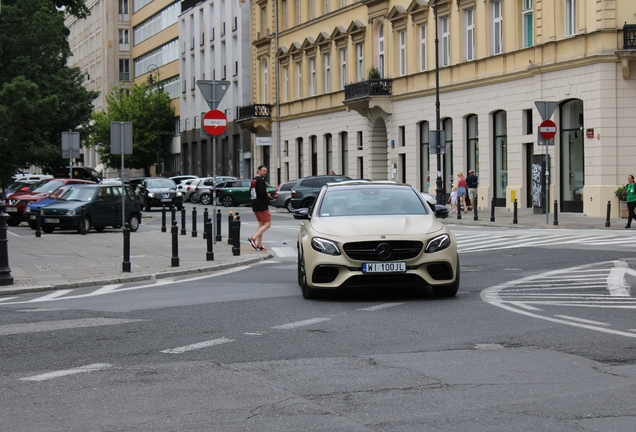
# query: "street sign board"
70,145
214,122
213,91
121,131
547,129
545,108
433,145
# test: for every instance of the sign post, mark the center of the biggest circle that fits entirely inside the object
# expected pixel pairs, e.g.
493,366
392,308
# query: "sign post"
546,137
70,148
121,142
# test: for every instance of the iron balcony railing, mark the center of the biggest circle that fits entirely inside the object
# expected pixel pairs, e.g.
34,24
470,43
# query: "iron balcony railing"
371,87
629,36
251,111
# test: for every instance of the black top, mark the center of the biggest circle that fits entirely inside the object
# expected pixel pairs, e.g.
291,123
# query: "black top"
471,181
258,194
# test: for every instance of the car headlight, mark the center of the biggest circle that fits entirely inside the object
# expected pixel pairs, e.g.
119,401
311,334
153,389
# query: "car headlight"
178,194
70,213
325,246
151,194
438,243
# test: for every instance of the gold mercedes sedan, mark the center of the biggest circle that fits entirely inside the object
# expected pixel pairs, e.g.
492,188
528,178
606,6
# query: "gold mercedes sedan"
375,234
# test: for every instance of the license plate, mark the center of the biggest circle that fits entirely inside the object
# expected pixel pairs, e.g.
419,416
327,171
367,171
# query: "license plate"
384,267
11,209
166,200
47,220
32,217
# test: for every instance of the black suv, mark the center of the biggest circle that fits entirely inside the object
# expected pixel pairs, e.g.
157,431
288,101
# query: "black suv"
158,192
306,190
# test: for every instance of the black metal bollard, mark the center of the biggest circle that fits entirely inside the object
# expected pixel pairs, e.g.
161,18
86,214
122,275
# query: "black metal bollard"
209,256
459,208
230,221
607,215
173,215
125,265
556,213
82,221
183,221
5,271
206,216
236,236
492,209
475,217
38,223
175,245
514,212
218,226
163,219
194,221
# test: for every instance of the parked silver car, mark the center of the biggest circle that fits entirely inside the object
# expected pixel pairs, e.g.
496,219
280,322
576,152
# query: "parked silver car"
203,190
282,197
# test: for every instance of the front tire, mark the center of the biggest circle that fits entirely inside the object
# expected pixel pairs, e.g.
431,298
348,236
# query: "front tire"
449,290
206,199
85,223
133,222
308,292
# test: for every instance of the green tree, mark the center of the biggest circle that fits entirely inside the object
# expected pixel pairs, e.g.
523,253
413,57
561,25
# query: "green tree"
40,96
149,110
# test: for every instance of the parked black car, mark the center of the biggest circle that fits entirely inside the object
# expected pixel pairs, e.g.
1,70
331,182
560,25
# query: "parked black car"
158,192
305,191
102,208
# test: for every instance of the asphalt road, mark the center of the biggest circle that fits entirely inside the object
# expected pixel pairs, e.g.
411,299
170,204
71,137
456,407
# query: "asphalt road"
533,341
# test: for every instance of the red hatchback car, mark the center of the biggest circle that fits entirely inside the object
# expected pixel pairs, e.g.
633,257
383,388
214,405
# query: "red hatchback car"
16,202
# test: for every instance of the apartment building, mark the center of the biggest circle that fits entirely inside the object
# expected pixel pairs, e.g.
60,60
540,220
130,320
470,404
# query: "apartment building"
350,86
215,46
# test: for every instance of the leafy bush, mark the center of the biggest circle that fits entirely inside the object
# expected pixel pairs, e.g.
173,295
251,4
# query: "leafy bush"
621,193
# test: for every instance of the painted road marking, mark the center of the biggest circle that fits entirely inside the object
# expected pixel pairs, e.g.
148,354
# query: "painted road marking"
284,252
58,374
53,295
381,306
196,346
581,320
13,329
301,323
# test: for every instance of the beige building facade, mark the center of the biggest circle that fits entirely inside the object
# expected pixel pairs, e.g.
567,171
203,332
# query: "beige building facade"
350,86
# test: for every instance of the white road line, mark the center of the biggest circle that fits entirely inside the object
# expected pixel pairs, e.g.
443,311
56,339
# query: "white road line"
6,299
13,329
286,251
58,374
382,306
582,320
616,279
301,323
106,289
51,296
196,346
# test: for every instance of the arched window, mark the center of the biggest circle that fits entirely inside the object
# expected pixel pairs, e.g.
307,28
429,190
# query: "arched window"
425,157
472,145
344,152
572,156
299,146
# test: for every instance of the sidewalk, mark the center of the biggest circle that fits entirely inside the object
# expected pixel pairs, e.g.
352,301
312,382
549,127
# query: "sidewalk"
65,260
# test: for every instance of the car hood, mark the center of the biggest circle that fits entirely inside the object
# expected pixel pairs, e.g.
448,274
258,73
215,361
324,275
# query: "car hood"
34,205
60,207
161,190
374,226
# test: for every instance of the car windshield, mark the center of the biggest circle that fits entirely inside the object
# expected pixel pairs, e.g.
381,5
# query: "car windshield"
49,186
161,183
78,194
370,200
56,194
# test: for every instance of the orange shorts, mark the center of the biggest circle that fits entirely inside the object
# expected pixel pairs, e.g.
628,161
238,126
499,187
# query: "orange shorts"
263,216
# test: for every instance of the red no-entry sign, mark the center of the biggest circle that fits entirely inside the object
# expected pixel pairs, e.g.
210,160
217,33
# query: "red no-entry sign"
547,129
214,122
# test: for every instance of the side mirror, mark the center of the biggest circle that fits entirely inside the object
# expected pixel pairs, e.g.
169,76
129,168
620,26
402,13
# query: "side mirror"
302,213
441,211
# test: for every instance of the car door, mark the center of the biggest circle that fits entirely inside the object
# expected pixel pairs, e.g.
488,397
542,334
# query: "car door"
103,211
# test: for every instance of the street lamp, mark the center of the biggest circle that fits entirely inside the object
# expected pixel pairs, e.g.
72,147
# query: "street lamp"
151,81
440,195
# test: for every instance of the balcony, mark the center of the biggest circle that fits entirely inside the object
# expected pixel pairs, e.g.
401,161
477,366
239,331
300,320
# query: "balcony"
255,116
364,95
628,53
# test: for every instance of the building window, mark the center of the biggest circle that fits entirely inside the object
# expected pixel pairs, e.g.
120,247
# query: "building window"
473,143
360,140
265,82
445,54
312,77
469,34
497,27
381,50
326,7
328,153
123,10
423,47
124,70
402,53
360,61
284,14
327,65
344,153
299,81
500,154
311,9
343,3
570,17
299,146
343,68
297,12
124,39
425,174
286,83
264,22
527,27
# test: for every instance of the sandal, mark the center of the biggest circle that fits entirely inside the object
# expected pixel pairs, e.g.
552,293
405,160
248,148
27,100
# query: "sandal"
253,243
261,248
